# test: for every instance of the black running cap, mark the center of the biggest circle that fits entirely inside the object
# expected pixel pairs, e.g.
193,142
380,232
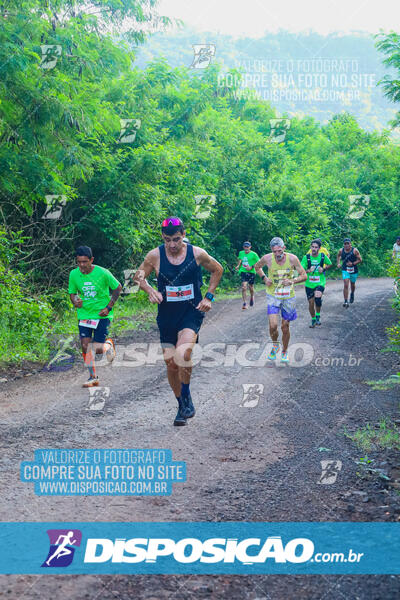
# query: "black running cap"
346,240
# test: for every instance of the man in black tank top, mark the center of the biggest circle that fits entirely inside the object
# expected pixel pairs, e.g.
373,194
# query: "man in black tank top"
348,259
181,306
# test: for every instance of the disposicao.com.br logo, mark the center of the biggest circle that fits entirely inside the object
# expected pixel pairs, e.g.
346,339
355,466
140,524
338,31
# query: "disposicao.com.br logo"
248,551
200,547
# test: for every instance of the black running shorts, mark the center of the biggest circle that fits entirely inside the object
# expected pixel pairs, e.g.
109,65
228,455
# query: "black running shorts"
249,277
169,329
310,291
99,334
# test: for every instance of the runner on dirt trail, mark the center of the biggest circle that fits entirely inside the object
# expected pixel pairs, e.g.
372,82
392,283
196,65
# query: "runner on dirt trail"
247,260
348,258
181,307
280,292
315,264
89,289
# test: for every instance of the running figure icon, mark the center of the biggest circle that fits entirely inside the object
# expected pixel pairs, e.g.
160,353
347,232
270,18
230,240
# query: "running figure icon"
62,549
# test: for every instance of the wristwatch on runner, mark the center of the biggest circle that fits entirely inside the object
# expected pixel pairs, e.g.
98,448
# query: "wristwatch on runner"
209,296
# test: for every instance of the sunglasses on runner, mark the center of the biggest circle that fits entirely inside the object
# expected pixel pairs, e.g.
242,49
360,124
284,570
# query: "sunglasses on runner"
174,221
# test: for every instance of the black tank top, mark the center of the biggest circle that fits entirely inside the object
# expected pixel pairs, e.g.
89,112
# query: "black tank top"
181,283
351,257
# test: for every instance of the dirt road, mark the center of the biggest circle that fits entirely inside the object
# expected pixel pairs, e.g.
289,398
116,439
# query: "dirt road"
249,458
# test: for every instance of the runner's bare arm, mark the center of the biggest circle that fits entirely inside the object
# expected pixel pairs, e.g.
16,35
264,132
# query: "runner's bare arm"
211,265
339,256
150,263
260,271
358,256
114,297
216,270
238,265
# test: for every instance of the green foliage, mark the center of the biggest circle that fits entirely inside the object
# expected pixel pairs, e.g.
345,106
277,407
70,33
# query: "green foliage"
24,320
394,330
368,438
389,44
60,134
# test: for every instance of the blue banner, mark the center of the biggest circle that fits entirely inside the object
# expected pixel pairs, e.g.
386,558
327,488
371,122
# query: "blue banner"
200,548
103,472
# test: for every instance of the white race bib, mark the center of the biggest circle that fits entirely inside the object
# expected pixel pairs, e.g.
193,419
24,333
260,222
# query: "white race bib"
91,323
350,269
314,278
283,292
179,293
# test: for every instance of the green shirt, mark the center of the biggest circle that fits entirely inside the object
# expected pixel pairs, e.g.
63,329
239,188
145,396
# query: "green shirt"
315,279
94,289
249,259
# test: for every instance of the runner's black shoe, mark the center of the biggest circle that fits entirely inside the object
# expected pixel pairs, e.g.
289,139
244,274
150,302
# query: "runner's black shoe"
188,409
313,323
351,297
180,419
318,321
346,304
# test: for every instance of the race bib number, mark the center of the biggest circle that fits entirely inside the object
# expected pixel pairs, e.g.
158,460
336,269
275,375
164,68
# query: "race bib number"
283,292
91,323
179,293
314,278
350,269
